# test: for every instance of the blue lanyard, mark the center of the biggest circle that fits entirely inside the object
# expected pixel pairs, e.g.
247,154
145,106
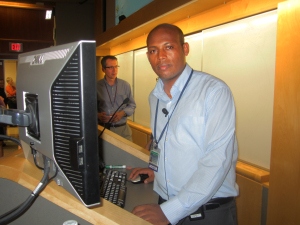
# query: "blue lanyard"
112,103
155,121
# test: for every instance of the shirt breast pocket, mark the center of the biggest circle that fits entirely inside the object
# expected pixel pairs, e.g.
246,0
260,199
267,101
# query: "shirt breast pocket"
190,130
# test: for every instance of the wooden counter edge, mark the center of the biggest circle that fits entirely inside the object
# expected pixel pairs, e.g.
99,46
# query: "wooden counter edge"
16,168
252,172
139,127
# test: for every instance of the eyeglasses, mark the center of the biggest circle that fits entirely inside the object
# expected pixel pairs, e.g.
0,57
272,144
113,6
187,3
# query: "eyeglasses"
112,67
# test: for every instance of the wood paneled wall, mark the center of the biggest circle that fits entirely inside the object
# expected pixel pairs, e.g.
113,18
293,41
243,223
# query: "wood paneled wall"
1,69
284,195
140,134
24,25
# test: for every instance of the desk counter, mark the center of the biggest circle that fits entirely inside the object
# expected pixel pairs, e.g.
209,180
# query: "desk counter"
19,170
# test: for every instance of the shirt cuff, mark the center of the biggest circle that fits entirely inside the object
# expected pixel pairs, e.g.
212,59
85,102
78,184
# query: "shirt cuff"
174,210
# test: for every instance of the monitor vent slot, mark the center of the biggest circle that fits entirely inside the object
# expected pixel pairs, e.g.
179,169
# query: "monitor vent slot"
66,118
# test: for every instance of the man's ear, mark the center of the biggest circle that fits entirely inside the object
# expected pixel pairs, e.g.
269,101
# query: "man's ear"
186,48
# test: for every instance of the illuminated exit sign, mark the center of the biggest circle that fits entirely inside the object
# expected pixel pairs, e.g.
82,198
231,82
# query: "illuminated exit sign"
15,47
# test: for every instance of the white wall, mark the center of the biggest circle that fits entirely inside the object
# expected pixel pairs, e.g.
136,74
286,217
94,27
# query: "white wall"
242,54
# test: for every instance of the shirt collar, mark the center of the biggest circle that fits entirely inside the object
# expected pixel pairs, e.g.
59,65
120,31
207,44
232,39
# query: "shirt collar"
104,78
177,87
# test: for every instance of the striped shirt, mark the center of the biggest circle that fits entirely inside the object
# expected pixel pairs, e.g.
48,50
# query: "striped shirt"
198,150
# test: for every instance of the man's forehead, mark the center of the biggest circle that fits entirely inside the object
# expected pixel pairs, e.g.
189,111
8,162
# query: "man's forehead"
163,35
111,61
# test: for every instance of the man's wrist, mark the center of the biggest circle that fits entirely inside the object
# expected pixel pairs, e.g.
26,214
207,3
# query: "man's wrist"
125,114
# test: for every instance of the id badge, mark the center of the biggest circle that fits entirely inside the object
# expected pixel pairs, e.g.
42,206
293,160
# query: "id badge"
154,156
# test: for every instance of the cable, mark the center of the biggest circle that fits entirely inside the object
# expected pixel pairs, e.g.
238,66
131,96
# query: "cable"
12,210
56,172
22,208
5,137
17,141
18,211
33,151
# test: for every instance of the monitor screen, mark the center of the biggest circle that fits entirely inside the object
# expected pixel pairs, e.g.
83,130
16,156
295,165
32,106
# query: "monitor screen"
57,87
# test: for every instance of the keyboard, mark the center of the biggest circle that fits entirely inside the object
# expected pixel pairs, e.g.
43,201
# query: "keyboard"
113,186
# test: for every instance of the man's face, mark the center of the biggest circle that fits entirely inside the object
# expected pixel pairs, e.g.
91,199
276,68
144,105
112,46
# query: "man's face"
111,69
166,54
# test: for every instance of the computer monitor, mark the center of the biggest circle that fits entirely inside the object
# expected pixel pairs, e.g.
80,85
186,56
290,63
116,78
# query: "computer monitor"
57,87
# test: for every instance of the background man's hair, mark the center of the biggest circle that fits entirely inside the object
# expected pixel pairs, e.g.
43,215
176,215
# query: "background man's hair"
103,60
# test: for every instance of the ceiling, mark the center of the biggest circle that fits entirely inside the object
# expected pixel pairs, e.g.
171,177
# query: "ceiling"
51,1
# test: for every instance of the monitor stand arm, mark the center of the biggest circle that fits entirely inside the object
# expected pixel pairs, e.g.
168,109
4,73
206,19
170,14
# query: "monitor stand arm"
15,117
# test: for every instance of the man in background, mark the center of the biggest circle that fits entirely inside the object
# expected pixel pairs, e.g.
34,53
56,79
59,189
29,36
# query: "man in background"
194,149
112,91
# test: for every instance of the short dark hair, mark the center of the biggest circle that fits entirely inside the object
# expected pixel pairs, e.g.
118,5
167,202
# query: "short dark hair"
168,26
103,60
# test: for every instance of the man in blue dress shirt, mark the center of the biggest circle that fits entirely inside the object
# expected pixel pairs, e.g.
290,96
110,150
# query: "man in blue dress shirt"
111,93
194,149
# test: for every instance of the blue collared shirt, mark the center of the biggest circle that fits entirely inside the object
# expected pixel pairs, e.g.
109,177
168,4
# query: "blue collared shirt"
107,100
198,150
